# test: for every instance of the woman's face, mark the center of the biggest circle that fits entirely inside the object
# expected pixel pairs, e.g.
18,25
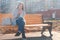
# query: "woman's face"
20,6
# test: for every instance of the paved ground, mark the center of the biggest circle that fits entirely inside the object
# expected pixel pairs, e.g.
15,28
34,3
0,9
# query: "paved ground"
32,36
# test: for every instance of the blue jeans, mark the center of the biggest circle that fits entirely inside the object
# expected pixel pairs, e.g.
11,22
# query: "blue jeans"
21,24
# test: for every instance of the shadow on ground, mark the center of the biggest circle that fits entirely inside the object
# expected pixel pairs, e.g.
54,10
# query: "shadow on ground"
33,38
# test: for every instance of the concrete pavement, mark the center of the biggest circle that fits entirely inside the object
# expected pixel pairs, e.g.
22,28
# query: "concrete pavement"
32,36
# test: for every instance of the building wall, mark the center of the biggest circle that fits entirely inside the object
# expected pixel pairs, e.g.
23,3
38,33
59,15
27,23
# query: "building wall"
7,6
31,5
4,5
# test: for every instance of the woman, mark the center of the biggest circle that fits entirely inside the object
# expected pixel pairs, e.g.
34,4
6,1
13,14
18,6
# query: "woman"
18,15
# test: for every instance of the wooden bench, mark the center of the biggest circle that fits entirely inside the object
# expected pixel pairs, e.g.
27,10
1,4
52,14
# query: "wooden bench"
33,23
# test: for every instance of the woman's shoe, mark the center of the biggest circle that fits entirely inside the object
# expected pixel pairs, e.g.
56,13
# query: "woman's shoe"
17,34
51,35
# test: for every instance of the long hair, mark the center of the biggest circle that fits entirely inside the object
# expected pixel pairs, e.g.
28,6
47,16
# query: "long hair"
20,4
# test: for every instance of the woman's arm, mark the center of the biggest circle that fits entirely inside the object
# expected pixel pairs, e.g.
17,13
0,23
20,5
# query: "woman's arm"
15,14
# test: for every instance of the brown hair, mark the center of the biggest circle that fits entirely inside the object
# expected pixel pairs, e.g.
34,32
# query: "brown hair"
22,5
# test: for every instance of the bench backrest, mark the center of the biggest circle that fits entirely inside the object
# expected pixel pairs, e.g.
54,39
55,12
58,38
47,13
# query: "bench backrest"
33,18
2,16
30,19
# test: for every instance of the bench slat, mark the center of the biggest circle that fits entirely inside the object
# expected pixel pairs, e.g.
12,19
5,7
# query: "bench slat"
37,25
